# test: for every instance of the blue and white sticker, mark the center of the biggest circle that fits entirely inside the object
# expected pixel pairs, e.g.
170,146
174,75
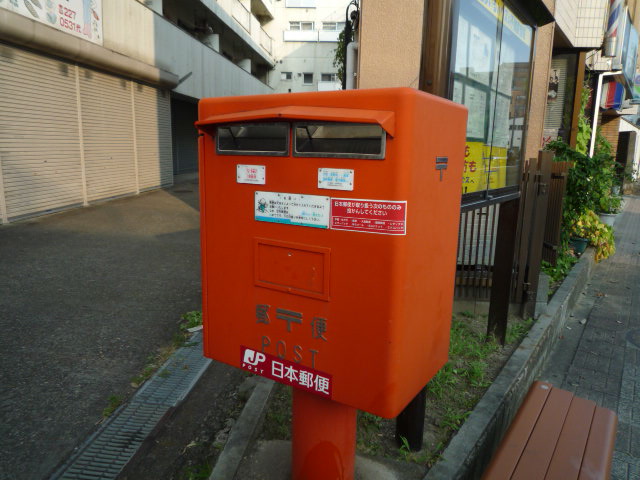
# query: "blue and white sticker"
292,209
335,178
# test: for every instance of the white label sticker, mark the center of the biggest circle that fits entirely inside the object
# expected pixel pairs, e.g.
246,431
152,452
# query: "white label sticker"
293,209
254,174
335,178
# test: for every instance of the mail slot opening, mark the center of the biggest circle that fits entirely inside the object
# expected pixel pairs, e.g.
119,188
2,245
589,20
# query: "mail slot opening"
253,139
344,140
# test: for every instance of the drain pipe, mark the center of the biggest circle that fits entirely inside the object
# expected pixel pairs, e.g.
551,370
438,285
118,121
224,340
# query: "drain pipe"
350,67
596,109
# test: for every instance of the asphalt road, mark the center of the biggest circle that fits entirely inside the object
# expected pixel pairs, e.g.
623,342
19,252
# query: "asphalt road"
85,297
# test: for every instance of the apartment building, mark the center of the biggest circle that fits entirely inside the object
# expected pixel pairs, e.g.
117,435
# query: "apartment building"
99,97
305,35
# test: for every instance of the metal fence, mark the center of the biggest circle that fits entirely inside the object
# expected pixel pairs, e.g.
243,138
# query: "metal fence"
476,252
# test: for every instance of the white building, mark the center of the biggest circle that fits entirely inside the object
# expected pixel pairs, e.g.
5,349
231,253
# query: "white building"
305,35
98,98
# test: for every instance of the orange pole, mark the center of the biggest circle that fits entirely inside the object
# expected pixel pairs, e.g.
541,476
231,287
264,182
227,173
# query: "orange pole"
323,438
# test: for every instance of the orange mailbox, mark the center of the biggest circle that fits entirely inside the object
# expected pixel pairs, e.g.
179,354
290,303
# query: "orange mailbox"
329,236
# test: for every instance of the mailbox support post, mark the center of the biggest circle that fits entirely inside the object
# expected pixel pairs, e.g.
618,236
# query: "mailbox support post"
323,438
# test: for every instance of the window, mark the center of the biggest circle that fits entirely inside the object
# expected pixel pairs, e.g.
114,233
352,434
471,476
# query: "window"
351,140
300,26
307,78
332,26
491,66
253,139
329,77
286,75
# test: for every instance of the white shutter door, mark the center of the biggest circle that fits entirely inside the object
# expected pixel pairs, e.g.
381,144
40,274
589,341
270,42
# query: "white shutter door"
555,106
39,142
153,136
107,125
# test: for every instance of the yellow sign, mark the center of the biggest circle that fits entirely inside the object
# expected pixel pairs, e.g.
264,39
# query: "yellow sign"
484,167
474,178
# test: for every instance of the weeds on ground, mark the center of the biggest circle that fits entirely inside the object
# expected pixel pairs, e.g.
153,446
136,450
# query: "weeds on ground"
114,402
190,320
180,339
197,472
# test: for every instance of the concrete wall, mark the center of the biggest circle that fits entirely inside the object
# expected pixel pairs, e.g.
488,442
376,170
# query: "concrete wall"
390,43
136,31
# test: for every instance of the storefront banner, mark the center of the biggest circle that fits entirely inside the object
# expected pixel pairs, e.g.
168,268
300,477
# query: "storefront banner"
82,18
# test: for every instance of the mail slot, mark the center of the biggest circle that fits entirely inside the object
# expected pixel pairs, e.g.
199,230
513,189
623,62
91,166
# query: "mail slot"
329,226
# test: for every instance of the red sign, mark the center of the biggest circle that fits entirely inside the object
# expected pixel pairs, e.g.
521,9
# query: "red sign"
286,372
373,216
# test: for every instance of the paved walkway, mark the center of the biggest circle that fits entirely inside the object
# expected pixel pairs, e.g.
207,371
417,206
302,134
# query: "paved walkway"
600,359
85,297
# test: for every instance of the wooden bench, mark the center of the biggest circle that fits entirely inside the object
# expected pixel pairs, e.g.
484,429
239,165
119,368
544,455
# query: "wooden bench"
556,435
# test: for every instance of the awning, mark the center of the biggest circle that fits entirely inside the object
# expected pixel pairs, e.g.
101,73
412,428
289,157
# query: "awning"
383,118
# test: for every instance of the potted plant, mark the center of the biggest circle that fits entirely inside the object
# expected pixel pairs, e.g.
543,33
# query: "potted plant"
591,230
610,206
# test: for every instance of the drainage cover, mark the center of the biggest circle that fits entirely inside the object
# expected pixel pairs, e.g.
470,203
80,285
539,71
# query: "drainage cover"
106,453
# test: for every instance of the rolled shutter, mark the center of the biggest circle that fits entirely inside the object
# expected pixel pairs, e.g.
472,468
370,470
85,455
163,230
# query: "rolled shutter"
107,125
153,136
39,142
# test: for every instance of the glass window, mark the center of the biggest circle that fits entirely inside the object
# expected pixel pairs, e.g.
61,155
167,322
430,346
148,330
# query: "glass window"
350,140
307,78
286,75
297,26
253,139
329,77
491,70
332,26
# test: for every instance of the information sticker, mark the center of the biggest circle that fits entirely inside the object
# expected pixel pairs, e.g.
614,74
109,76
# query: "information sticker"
292,209
335,178
371,216
254,174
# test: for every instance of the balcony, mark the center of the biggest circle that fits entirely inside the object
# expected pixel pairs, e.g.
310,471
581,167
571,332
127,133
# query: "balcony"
300,3
300,35
328,35
242,15
262,9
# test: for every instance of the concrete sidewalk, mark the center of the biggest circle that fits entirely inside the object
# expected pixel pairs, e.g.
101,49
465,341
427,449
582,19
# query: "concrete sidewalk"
85,297
600,359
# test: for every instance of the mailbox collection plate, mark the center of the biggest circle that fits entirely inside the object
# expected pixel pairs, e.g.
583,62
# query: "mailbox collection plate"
251,174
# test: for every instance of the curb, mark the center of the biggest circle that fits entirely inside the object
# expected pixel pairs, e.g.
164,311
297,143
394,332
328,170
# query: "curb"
470,450
242,432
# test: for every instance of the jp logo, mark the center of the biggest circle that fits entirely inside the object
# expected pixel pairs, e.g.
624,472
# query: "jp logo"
253,358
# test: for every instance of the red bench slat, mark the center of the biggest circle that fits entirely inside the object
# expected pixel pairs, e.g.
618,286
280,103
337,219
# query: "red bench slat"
571,446
556,436
506,458
537,456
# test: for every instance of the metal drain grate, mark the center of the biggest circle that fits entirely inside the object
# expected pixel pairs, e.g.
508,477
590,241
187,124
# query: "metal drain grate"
104,454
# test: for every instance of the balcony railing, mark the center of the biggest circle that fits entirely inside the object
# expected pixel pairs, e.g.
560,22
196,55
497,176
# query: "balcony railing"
242,15
266,41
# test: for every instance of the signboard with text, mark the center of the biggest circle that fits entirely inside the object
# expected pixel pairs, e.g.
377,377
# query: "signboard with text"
81,18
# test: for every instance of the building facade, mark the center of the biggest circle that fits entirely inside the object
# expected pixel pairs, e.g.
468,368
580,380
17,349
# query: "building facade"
99,97
305,35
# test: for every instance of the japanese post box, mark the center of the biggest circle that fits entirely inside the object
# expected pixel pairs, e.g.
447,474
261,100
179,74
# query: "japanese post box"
329,237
